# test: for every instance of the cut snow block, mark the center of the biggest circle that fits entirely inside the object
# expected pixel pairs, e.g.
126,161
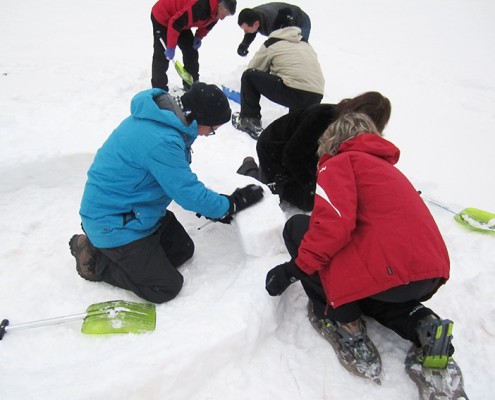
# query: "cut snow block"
260,227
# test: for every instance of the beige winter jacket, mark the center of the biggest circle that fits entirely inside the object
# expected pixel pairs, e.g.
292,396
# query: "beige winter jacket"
292,60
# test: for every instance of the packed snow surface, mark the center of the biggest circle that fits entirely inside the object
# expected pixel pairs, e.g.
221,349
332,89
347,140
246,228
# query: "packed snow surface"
68,70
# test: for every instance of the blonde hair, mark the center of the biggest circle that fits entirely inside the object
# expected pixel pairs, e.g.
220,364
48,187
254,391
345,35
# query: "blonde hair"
346,127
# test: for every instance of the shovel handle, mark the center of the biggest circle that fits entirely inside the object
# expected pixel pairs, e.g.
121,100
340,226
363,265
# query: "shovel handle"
439,205
5,327
436,203
163,43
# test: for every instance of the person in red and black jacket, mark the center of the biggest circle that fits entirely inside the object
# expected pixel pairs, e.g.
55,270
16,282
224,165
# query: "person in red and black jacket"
172,22
370,247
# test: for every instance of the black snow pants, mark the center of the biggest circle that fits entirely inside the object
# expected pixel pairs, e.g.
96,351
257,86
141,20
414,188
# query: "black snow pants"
398,309
255,83
148,266
159,66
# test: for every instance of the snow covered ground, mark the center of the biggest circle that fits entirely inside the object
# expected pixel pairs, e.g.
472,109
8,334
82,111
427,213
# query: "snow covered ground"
68,70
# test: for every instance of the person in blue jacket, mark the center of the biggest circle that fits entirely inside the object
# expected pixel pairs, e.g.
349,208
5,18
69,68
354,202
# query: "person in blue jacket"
131,240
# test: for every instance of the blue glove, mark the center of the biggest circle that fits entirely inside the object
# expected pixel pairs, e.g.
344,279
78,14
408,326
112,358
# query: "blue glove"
196,43
170,53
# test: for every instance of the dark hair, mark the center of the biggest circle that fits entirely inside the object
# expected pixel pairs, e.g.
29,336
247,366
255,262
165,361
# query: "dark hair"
248,16
229,5
373,104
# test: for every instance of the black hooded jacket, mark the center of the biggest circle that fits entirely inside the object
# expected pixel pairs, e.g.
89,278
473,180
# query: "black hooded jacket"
287,153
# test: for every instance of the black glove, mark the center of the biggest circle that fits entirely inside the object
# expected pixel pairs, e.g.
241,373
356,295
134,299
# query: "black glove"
243,198
282,276
242,50
239,200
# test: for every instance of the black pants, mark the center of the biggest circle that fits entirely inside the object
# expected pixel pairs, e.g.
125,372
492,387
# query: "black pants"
399,308
159,66
148,266
255,83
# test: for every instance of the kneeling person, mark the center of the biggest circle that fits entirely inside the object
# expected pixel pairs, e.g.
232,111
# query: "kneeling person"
359,253
133,241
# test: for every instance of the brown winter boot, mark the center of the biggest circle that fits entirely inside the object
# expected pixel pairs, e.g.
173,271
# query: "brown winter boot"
81,249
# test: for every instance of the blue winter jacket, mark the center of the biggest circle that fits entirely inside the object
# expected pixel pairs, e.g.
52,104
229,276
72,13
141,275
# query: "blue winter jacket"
138,171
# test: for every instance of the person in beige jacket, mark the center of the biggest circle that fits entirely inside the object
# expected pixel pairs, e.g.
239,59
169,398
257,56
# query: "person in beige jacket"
286,71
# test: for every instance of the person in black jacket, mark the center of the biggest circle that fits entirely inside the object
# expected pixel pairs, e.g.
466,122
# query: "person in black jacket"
269,17
287,147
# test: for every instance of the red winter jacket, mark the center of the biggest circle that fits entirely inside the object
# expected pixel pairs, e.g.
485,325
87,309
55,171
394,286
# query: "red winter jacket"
370,230
179,15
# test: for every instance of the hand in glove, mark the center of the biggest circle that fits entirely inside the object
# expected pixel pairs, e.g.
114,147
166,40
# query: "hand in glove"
170,53
282,276
242,50
239,200
196,43
245,197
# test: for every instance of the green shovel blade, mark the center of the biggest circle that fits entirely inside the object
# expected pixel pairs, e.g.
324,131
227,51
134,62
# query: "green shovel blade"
119,316
477,220
186,76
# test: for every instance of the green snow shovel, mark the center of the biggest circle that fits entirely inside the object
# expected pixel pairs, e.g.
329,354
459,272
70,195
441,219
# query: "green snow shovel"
116,316
472,218
186,76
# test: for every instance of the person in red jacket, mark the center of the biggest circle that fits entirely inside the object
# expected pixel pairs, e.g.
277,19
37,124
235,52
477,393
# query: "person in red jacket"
172,22
370,247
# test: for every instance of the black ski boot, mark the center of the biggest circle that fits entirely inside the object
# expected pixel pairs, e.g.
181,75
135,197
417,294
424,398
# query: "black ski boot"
252,126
